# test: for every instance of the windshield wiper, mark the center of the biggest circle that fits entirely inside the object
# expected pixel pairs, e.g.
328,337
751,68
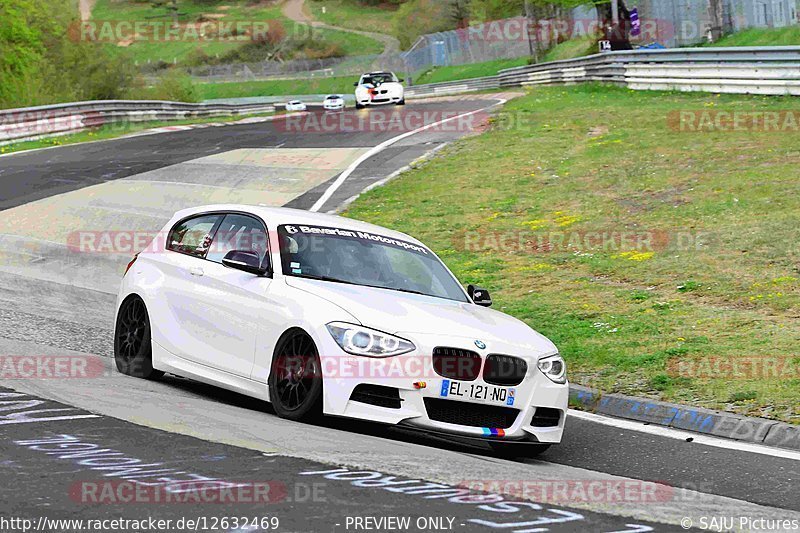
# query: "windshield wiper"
324,278
336,280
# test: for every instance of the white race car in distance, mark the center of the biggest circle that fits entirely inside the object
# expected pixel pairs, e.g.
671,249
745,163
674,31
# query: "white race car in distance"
378,88
295,105
326,315
333,102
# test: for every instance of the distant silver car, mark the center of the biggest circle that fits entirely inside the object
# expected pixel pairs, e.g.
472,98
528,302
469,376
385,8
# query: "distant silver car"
333,102
295,105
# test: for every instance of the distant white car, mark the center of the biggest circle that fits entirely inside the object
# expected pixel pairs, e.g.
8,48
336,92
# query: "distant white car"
323,314
379,88
333,102
295,105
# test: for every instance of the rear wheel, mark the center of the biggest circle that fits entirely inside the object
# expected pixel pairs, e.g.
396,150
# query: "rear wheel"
133,351
295,382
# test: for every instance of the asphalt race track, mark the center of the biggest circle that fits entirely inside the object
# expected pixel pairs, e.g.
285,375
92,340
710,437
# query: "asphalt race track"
56,300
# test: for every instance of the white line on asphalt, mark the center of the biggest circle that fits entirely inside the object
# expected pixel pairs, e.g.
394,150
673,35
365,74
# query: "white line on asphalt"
381,147
697,438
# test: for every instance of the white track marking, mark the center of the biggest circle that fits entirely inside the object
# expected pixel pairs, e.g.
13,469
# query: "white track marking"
381,147
697,438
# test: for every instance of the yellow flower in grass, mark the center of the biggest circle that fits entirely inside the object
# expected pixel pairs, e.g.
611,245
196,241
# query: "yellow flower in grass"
535,224
635,256
566,220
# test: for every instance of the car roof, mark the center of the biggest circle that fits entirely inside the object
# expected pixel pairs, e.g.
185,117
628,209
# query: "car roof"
275,216
333,96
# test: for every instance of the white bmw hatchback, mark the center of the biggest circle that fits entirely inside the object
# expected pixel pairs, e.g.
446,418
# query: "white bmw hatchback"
326,315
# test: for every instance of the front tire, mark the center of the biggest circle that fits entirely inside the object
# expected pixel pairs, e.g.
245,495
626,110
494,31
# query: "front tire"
402,102
359,106
133,349
295,382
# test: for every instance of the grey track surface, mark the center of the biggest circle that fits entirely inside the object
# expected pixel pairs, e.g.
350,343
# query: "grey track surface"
301,502
38,316
26,177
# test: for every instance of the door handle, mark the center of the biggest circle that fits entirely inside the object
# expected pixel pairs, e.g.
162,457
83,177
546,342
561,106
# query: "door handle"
196,271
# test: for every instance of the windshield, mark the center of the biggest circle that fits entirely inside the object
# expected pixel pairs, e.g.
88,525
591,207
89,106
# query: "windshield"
377,79
367,259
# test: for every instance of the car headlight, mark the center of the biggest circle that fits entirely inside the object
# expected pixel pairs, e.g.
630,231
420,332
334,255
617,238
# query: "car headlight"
554,368
358,340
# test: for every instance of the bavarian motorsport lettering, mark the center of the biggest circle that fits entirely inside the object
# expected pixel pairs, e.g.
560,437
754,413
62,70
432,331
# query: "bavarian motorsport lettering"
362,235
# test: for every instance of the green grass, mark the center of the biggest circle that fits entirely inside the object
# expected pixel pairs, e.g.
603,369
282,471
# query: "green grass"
210,91
234,10
594,159
571,49
354,15
463,72
112,131
787,36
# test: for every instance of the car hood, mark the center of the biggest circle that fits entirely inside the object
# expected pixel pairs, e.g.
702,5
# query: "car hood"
398,312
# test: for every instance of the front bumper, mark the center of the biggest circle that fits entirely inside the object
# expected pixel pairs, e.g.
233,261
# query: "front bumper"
407,373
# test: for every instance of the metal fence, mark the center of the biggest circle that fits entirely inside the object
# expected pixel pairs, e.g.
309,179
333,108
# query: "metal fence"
501,39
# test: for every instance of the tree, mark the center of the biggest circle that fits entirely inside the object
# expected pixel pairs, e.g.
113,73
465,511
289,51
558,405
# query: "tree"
460,12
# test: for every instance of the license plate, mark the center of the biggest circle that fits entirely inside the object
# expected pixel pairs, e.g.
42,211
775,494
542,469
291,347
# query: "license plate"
476,391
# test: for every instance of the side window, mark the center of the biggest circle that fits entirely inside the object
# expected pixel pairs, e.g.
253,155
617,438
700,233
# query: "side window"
239,232
193,236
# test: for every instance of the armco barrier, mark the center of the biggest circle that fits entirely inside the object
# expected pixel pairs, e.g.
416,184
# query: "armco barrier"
747,70
35,122
764,70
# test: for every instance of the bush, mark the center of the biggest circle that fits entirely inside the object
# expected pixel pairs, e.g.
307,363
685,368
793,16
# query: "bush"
174,86
42,61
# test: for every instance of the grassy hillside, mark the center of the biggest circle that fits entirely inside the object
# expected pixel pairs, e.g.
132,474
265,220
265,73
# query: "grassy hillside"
463,72
762,37
320,42
355,14
715,275
209,91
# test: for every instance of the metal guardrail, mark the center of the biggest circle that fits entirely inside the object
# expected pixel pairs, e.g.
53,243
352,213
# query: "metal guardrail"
42,121
752,70
747,70
453,87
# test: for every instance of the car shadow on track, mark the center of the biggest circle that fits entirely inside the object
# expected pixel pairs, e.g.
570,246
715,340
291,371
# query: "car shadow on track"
372,429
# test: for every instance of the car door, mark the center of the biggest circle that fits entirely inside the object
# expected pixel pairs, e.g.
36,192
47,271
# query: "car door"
181,265
232,305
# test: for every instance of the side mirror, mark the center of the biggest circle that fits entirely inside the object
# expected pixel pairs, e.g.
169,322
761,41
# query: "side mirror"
401,80
245,261
479,296
355,84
